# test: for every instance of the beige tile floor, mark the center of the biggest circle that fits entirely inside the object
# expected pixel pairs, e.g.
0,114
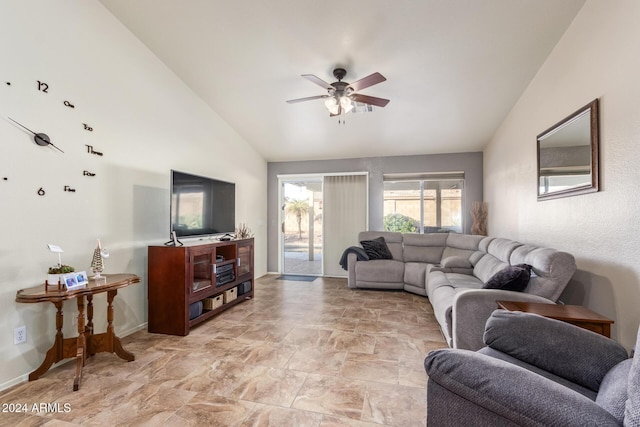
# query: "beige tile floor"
298,354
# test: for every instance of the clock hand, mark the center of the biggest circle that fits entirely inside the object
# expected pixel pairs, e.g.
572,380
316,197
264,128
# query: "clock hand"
40,138
22,126
45,138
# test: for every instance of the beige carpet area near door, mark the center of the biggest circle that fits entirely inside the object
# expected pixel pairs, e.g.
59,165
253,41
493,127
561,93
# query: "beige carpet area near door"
298,354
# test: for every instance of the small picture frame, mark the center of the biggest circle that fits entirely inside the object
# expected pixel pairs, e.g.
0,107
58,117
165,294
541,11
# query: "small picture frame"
81,278
71,281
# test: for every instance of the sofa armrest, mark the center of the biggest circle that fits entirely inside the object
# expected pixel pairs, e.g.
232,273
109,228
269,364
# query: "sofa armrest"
485,388
471,309
351,269
581,356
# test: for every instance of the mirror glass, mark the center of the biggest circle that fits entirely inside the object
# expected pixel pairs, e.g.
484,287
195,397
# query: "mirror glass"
568,155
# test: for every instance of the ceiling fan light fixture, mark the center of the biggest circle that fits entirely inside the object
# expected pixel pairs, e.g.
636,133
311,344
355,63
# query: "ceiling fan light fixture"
346,104
332,105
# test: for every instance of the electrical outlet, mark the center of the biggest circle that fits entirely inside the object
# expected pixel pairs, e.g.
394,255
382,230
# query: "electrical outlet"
20,335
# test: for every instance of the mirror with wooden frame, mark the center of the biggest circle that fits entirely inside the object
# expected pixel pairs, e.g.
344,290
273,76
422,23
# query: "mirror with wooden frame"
568,155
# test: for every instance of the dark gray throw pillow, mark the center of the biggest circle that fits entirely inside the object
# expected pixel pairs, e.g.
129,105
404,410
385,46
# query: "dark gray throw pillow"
511,278
525,266
376,248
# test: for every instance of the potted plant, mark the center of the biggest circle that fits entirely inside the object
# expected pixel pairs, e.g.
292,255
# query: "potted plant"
243,231
56,271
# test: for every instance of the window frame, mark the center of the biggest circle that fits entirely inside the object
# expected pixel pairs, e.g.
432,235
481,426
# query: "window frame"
421,179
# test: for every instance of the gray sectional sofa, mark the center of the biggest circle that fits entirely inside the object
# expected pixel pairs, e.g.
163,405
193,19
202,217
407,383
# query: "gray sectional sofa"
451,270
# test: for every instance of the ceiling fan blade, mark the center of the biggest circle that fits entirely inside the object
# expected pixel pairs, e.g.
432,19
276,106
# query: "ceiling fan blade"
309,98
318,81
365,82
371,100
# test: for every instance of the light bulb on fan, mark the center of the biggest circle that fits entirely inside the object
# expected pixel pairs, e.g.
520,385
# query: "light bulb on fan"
346,104
332,105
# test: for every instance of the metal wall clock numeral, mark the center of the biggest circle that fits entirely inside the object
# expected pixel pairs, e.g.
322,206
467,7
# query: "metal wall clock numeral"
43,87
90,150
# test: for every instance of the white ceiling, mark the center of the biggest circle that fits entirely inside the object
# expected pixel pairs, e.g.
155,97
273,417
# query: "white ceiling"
454,68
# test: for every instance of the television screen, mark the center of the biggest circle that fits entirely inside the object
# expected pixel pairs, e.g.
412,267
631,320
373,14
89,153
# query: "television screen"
201,206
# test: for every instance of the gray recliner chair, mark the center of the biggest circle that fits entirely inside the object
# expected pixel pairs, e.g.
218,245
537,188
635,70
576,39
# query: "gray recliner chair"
534,372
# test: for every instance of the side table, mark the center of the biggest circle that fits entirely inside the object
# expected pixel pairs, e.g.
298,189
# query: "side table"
574,314
86,343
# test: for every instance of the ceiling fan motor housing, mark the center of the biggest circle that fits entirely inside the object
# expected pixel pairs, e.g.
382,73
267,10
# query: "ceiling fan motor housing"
339,73
339,88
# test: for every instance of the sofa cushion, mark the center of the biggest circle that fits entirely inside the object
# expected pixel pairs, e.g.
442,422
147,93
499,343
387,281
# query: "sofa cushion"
456,262
497,257
525,336
510,278
442,289
464,241
553,269
415,273
376,249
612,394
438,279
380,270
553,377
424,247
632,408
462,245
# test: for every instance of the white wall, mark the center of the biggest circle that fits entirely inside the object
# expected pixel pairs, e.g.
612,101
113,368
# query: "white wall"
596,58
146,122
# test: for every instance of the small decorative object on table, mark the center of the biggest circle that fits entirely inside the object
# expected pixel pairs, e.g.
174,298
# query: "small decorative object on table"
97,264
54,279
75,280
56,276
243,231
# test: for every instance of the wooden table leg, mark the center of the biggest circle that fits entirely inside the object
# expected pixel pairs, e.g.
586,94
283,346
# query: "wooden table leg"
56,352
88,330
113,341
80,349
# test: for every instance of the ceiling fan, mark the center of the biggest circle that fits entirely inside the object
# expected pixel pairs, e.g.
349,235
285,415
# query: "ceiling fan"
341,96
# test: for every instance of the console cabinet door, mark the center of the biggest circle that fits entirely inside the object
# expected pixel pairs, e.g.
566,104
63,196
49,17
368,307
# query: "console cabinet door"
201,267
245,259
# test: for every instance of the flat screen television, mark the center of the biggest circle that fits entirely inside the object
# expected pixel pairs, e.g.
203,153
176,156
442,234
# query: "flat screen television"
201,206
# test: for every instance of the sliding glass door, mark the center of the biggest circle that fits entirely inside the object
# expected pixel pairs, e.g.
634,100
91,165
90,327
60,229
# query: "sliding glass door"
321,215
301,226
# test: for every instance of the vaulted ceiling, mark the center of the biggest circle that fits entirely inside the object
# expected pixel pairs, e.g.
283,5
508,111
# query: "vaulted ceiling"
454,68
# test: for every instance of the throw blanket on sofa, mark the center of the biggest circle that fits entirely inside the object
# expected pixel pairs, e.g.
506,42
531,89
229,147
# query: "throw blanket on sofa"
360,253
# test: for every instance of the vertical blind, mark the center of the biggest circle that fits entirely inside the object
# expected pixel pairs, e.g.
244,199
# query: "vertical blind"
345,215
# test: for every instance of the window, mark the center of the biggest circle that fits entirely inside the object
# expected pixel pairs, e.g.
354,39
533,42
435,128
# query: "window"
423,203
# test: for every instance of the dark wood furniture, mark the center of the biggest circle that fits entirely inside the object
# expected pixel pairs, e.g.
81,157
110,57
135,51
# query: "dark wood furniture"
574,314
182,275
87,343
